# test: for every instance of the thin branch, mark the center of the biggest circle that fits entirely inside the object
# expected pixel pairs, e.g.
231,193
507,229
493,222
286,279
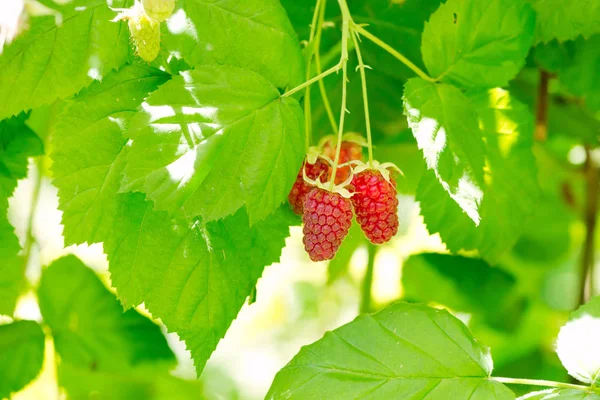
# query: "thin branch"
586,272
541,114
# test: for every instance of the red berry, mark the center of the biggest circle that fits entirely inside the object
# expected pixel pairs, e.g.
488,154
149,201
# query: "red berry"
327,217
375,205
318,170
350,151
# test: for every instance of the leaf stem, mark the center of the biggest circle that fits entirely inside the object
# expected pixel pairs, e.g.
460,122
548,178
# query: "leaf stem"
541,114
314,79
367,284
363,79
394,53
35,197
544,383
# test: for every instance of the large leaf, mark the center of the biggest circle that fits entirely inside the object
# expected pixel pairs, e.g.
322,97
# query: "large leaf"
510,191
88,142
252,34
461,283
55,61
21,355
479,43
582,76
445,126
405,351
214,140
566,19
89,327
577,345
194,277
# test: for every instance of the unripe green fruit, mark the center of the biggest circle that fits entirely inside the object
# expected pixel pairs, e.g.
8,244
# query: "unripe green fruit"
145,34
158,10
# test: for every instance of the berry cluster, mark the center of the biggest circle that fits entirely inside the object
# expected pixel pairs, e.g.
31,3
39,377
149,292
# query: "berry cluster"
368,192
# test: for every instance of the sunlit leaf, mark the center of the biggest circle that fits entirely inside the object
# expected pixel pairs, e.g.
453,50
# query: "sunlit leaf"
194,277
214,140
404,351
56,61
445,126
88,142
480,43
21,355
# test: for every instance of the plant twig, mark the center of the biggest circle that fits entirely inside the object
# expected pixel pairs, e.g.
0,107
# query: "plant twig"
541,114
367,284
586,272
544,383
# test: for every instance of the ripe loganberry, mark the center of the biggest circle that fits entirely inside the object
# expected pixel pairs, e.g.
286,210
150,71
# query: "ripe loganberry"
319,170
327,218
375,205
350,151
158,10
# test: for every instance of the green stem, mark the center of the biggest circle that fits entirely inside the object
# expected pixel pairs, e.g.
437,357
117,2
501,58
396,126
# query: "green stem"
314,79
394,53
307,105
365,303
324,96
363,78
35,197
344,62
537,382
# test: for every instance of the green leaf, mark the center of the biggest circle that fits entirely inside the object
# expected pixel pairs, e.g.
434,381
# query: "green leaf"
56,61
339,266
84,383
12,268
88,142
577,344
510,192
17,144
405,351
445,126
566,19
560,394
89,327
21,355
251,34
194,277
581,77
461,283
213,140
479,43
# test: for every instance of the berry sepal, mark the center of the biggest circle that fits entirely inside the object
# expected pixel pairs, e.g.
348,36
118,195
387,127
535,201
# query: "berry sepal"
340,189
383,168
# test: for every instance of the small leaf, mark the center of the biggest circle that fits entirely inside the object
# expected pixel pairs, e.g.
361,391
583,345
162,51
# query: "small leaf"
510,191
89,327
88,142
566,19
252,34
21,355
445,126
405,351
577,345
195,277
479,43
214,140
51,61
